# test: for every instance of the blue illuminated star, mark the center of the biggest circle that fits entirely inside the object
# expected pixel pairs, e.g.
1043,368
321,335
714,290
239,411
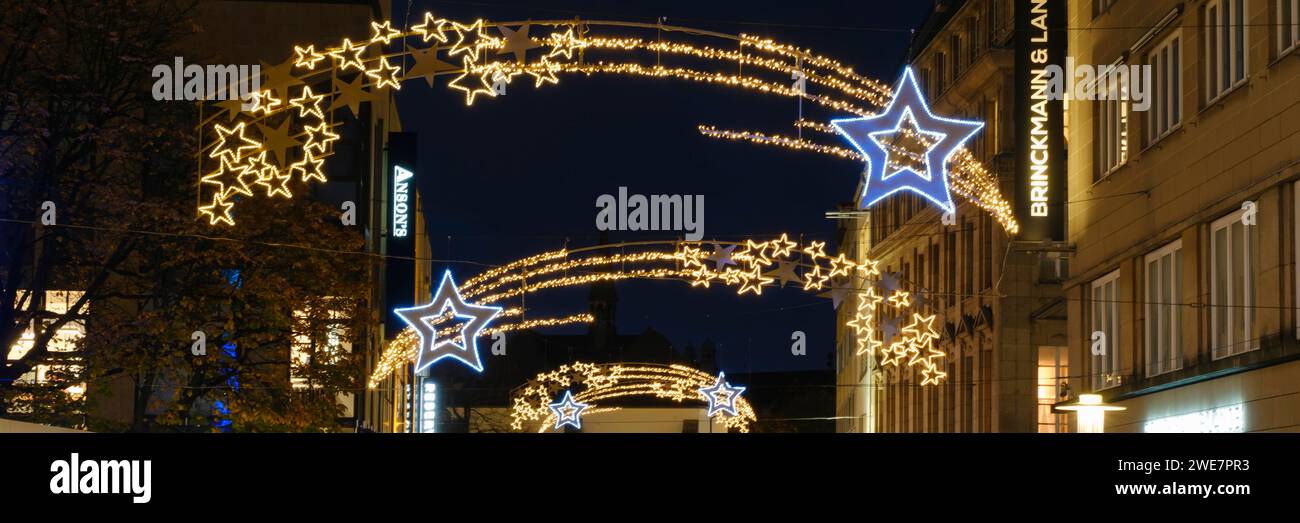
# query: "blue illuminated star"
433,349
907,113
722,396
568,411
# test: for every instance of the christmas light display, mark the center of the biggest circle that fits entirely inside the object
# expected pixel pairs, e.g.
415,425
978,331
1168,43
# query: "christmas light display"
756,266
568,412
872,137
722,396
598,386
905,145
434,347
570,47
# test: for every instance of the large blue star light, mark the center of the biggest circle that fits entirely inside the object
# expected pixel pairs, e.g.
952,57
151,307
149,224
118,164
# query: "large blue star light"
722,396
568,411
433,349
908,114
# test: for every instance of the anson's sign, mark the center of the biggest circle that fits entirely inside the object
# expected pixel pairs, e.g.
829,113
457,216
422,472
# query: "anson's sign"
1040,121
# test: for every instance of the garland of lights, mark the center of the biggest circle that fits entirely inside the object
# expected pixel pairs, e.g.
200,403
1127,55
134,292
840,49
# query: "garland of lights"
293,118
581,388
750,266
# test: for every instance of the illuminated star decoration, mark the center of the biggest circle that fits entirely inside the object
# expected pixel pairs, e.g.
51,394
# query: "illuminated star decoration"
907,113
721,256
568,411
433,349
722,396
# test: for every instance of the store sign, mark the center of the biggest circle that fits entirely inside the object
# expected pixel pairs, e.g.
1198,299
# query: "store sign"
402,193
1223,419
1040,120
428,406
401,200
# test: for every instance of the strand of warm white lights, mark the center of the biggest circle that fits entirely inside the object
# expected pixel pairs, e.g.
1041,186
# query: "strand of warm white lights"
757,258
680,73
968,177
594,261
789,51
709,53
603,382
585,279
402,350
245,171
525,262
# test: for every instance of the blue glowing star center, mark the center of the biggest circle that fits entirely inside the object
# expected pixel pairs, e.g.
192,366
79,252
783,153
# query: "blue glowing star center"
907,147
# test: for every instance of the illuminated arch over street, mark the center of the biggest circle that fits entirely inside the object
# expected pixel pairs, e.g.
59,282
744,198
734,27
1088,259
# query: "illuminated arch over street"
751,267
600,386
283,140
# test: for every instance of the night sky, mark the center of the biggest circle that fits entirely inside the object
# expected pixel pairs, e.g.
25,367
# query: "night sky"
520,174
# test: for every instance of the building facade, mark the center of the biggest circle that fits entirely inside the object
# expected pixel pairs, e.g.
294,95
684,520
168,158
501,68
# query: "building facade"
1183,215
999,301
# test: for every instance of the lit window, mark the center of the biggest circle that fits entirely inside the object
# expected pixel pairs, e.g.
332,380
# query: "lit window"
1105,319
1167,98
1288,25
1225,46
1233,251
1053,370
1112,131
1164,318
65,339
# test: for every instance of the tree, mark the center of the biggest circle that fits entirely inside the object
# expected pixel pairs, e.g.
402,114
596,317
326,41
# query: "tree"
79,129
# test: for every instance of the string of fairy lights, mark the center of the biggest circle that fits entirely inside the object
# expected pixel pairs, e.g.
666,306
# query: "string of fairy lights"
594,385
284,139
750,266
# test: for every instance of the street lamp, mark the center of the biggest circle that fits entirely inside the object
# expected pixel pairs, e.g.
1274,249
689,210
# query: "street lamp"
1092,412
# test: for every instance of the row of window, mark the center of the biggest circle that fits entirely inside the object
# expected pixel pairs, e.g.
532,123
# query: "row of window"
963,403
1233,262
985,27
1225,64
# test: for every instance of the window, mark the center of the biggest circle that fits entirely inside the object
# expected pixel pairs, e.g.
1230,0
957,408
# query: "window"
1166,110
957,56
950,271
986,388
950,400
987,251
1053,371
940,71
1296,188
65,340
1112,130
1105,319
1288,26
1225,46
1233,251
968,252
1099,7
968,394
1164,316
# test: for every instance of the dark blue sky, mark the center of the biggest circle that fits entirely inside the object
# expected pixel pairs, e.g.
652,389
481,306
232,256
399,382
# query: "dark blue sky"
520,174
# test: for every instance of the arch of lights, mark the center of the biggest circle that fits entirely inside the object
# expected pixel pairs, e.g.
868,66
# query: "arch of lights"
599,385
749,266
283,140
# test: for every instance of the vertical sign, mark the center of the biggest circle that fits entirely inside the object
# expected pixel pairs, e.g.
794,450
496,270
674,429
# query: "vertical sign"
1040,121
403,165
428,406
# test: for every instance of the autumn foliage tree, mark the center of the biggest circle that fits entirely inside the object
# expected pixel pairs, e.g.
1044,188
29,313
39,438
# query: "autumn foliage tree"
79,129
